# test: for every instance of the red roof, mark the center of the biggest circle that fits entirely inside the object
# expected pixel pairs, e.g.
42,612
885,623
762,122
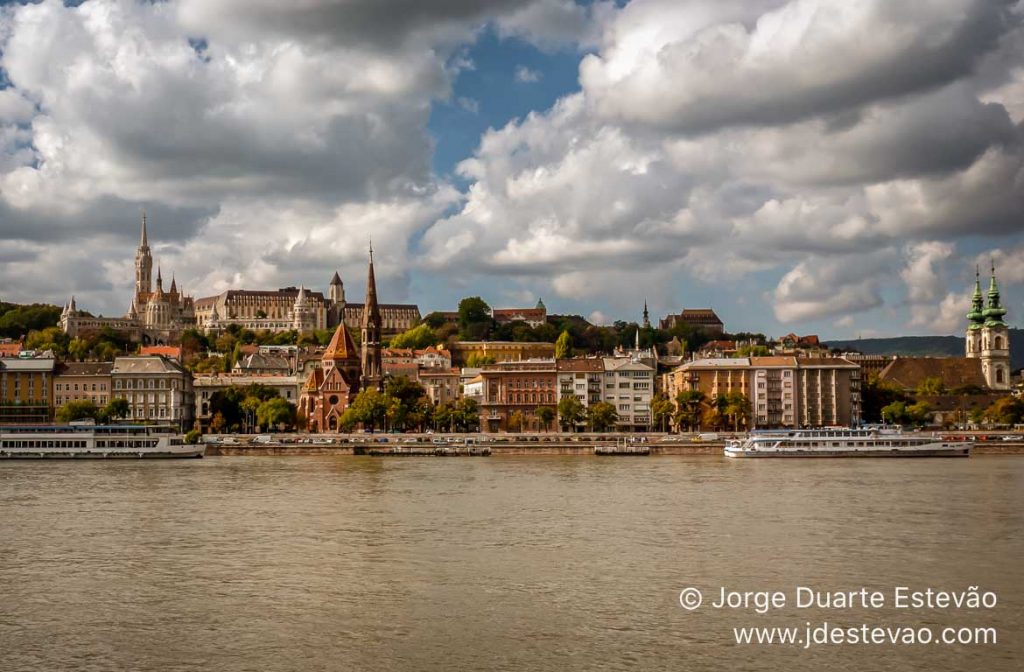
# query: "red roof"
341,346
165,350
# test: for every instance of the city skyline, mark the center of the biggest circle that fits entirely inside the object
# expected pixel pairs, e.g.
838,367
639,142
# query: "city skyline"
593,154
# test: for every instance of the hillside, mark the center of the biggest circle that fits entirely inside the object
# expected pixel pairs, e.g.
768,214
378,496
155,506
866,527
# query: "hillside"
924,346
17,320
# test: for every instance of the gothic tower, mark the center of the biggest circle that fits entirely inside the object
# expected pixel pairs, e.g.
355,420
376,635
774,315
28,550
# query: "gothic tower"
995,340
335,301
975,319
336,290
143,267
372,369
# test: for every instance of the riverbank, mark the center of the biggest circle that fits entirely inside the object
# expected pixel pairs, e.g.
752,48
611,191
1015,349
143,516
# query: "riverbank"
532,449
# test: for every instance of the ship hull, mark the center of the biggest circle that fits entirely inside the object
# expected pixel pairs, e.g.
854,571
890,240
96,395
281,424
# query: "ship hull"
951,451
170,452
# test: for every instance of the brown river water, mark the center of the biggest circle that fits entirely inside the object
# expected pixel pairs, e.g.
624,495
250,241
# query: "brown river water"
501,563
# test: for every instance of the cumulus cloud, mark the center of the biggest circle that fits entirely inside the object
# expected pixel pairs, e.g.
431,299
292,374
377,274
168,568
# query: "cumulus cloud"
834,152
292,113
818,287
808,140
802,59
525,75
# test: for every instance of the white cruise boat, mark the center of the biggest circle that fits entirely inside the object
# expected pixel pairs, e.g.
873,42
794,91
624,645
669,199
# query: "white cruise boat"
842,442
87,440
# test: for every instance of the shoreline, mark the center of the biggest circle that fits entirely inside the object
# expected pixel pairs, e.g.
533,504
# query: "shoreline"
710,449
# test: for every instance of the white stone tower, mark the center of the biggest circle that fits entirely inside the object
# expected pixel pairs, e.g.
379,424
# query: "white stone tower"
995,340
302,313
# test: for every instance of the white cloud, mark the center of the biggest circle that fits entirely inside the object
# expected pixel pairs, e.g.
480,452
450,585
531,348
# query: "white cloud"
525,75
808,138
924,284
824,287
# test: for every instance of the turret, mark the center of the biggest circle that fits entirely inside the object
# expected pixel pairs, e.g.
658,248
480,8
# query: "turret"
336,290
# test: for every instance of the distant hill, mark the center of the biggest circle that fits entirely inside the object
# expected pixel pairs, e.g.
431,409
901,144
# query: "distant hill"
925,346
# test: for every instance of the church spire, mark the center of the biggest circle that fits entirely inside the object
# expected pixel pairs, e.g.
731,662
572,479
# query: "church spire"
647,316
144,239
976,316
372,373
994,312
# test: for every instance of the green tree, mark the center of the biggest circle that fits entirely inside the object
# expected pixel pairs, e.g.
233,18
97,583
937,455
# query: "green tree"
602,416
545,415
895,413
249,407
193,436
116,409
877,394
563,346
515,421
1007,411
369,408
662,409
18,320
931,386
736,408
50,338
417,338
570,412
409,398
474,318
690,405
919,414
468,414
275,413
78,409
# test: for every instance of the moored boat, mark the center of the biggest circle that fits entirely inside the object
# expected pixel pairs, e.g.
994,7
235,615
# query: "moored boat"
90,441
843,442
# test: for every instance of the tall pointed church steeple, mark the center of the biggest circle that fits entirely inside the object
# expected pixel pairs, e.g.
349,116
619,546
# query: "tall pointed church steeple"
647,316
976,317
994,312
372,369
143,265
144,239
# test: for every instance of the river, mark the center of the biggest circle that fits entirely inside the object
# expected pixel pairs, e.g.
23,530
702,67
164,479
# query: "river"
501,563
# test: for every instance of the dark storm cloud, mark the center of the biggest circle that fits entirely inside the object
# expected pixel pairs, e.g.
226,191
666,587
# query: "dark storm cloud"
108,217
371,24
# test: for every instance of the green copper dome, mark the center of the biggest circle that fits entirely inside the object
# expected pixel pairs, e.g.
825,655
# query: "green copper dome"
994,312
977,314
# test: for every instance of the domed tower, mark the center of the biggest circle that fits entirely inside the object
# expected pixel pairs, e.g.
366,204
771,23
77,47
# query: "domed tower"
975,319
995,340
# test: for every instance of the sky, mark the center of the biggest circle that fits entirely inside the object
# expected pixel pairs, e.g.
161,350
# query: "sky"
837,167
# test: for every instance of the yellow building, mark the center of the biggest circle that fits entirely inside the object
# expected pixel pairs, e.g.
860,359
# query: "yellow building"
499,351
26,390
783,391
